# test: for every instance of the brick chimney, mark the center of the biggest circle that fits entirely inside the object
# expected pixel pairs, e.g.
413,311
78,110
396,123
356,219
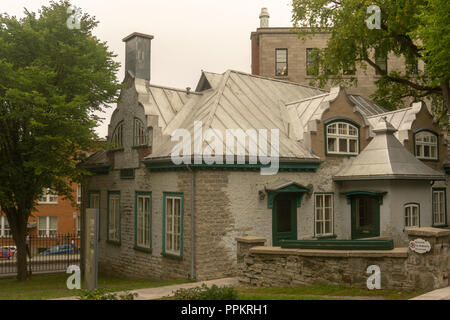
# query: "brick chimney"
137,55
264,18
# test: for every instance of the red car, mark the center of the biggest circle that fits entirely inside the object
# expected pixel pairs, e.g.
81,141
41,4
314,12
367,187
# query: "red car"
6,253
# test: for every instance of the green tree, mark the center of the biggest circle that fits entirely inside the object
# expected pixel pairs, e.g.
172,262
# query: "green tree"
52,79
414,29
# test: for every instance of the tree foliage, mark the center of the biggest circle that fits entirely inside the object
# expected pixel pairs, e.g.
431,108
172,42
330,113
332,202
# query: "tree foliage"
413,29
52,79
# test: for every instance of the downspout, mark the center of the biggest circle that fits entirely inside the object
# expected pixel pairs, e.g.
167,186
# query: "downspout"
192,222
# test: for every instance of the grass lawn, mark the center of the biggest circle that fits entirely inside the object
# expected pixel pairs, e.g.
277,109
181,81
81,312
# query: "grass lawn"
323,292
54,286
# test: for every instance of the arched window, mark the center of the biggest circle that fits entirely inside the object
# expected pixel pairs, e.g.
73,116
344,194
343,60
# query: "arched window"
426,145
412,214
140,134
342,138
117,137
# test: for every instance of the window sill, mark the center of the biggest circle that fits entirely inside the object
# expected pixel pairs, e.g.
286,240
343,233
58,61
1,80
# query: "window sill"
140,147
114,242
428,159
340,155
115,150
171,256
325,237
146,250
440,225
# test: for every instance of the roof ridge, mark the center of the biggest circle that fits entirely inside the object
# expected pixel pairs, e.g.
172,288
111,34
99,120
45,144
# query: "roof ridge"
173,89
219,93
390,112
308,98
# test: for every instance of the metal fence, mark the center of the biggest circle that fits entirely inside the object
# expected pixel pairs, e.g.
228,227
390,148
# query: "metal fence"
44,254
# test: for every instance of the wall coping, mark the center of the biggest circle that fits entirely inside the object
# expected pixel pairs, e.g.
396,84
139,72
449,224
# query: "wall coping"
428,232
394,253
250,239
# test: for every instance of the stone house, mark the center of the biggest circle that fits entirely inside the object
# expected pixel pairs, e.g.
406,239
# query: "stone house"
345,169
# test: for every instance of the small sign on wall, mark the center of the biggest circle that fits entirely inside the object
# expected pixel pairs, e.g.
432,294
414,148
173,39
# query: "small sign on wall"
420,246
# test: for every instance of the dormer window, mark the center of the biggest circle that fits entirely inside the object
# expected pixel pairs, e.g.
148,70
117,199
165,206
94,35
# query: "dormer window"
342,138
140,134
117,137
426,145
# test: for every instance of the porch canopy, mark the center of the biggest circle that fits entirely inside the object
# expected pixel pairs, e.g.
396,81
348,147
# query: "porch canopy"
385,158
284,186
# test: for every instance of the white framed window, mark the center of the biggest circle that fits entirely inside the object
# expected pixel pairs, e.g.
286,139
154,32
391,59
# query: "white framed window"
79,193
173,224
117,137
140,134
323,214
78,226
439,210
426,145
412,215
143,220
48,196
342,138
5,230
114,217
47,226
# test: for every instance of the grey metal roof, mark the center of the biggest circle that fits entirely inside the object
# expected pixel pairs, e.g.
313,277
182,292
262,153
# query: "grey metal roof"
386,158
238,100
97,159
366,106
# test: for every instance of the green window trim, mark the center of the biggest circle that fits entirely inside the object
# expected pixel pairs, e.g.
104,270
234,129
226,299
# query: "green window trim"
418,131
324,235
145,136
164,252
292,188
136,245
97,192
336,120
119,147
410,204
113,241
376,194
445,224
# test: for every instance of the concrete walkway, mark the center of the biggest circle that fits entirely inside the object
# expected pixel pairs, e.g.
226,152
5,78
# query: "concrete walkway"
439,294
160,292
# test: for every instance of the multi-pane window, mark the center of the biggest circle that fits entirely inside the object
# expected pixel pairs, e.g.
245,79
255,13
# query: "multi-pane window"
281,62
173,224
412,215
381,62
114,217
140,134
312,65
324,214
5,230
342,138
48,196
143,211
117,137
439,207
94,203
47,226
426,145
79,193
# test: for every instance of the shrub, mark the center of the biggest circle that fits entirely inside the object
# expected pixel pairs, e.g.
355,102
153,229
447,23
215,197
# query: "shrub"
205,293
103,294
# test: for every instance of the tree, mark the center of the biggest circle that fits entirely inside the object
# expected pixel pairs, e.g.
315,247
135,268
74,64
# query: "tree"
52,79
414,29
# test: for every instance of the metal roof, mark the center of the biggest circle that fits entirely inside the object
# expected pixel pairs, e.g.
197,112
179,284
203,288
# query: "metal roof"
386,158
366,106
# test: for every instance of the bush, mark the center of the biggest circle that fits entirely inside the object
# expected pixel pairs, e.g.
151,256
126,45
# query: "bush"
103,294
205,293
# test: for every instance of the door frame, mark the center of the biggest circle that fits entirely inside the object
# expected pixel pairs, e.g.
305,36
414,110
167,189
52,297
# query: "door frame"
376,232
294,201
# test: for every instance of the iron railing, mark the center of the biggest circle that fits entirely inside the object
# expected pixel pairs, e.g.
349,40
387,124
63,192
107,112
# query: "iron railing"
52,253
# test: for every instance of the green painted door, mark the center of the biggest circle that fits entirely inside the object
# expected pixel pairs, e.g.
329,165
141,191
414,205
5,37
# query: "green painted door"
284,218
365,217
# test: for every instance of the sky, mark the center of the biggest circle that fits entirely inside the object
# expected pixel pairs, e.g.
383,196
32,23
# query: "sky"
189,35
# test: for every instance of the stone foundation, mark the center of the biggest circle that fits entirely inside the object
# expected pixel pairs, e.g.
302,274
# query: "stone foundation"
259,265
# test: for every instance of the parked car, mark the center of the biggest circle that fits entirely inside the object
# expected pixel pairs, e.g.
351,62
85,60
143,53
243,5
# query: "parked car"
61,249
7,252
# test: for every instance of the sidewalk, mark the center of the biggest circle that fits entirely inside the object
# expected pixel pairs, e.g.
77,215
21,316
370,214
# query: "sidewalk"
439,294
160,292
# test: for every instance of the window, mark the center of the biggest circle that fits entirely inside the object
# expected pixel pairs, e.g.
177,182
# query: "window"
349,70
143,220
381,61
47,226
113,217
78,226
140,135
324,214
281,62
412,212
173,224
342,138
94,203
439,207
5,230
48,196
117,137
79,193
426,145
412,66
312,66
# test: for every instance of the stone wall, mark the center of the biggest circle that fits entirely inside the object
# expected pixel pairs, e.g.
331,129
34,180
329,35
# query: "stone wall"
400,268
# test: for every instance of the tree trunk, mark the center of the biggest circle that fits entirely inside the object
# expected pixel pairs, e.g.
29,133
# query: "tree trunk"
446,94
19,231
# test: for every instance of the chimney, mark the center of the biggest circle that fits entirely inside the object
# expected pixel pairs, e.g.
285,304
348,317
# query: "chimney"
137,55
264,18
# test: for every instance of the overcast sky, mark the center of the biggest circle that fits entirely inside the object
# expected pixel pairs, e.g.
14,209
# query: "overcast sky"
190,35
